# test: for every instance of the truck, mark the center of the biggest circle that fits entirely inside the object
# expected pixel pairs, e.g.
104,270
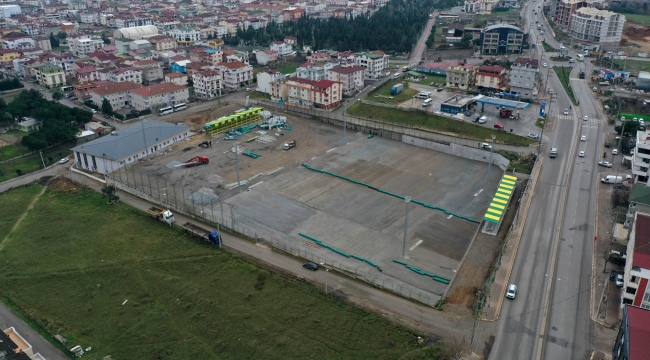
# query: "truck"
604,83
612,179
396,89
195,161
211,236
163,215
504,113
289,145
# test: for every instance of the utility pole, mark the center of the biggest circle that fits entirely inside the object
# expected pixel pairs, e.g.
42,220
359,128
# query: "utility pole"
345,127
237,159
539,145
406,220
146,150
487,178
41,152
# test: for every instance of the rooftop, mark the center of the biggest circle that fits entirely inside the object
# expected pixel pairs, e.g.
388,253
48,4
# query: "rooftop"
641,251
157,89
347,70
640,194
639,332
459,100
113,88
130,140
526,61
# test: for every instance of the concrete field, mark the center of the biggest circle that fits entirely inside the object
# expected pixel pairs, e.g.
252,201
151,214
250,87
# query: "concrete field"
350,217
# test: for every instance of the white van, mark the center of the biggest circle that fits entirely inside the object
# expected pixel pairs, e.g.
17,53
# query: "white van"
611,179
396,75
427,102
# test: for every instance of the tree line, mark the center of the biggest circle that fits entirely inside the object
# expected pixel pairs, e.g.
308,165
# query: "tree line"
10,84
394,28
60,123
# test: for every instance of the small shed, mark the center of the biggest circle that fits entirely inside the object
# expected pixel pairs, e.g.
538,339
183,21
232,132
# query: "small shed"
29,124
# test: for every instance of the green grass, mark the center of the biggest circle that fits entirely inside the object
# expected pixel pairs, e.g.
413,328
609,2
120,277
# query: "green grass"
521,163
633,66
539,123
436,123
563,73
441,79
258,95
288,67
13,204
549,48
186,300
32,162
382,95
637,18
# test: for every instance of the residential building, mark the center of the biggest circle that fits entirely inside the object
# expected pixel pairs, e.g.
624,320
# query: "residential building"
68,27
207,84
491,78
185,35
641,158
65,61
18,41
324,94
130,21
264,57
350,78
643,81
152,73
525,78
50,76
375,62
163,42
8,55
13,346
7,11
315,71
633,334
30,28
110,153
480,6
43,42
437,68
131,74
564,10
602,27
82,45
179,66
28,124
235,74
265,78
282,48
86,74
462,76
82,89
160,95
503,39
118,94
216,44
637,265
176,78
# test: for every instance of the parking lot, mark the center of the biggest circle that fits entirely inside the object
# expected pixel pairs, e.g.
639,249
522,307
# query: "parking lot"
283,198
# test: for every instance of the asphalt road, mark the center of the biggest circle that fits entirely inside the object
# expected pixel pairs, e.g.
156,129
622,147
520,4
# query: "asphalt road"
550,317
421,46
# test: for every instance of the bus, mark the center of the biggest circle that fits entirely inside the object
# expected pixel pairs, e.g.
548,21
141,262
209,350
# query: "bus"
581,57
179,107
67,88
165,110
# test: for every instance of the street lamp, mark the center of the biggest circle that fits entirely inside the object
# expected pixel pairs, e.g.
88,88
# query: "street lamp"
490,163
327,270
406,220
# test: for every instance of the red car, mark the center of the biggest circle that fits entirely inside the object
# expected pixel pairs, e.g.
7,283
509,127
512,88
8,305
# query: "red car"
498,126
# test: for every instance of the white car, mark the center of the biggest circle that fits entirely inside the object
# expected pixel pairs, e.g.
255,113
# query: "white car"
619,280
635,119
583,138
566,111
606,164
482,120
512,291
533,136
641,122
63,161
581,154
615,152
544,65
585,118
595,89
622,118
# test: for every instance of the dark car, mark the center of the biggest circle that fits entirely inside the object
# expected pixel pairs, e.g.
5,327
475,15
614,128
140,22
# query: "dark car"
135,112
607,144
477,118
612,275
310,265
468,113
439,89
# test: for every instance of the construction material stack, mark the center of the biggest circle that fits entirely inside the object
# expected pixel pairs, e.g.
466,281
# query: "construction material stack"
237,120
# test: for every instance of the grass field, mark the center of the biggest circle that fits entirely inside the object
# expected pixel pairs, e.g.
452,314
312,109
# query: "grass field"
74,261
382,95
637,18
563,73
13,204
288,67
436,123
31,163
633,66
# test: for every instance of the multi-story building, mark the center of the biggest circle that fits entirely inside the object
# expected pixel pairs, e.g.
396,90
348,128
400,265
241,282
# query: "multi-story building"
7,11
82,45
131,74
282,48
64,61
43,42
480,6
491,78
216,44
207,84
632,339
641,158
163,42
185,35
8,55
525,78
266,78
50,76
350,77
86,74
375,62
30,28
88,17
160,95
152,73
176,78
18,41
315,71
264,57
595,26
235,74
637,265
324,94
133,21
462,76
563,11
117,94
503,39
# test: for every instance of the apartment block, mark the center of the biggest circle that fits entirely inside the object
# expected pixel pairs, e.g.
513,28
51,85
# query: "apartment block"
118,94
350,78
462,76
160,95
50,76
324,94
601,27
207,84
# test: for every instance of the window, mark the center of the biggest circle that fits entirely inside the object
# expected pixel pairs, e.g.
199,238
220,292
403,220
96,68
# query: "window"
630,290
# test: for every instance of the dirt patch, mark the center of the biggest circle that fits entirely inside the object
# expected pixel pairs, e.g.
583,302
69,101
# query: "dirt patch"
637,35
62,184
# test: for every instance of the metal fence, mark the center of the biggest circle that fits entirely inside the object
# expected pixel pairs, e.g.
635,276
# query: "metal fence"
208,208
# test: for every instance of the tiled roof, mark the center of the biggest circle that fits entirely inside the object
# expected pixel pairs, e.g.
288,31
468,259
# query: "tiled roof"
157,89
639,332
113,88
232,65
347,70
641,257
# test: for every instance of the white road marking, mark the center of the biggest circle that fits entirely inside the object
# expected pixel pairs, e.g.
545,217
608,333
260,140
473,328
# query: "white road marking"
416,245
480,191
450,216
330,150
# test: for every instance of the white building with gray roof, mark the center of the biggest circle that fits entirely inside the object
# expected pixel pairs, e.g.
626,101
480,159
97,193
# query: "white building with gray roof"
111,152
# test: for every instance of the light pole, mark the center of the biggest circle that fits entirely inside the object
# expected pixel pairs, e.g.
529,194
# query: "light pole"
237,160
539,145
327,270
406,221
345,128
487,178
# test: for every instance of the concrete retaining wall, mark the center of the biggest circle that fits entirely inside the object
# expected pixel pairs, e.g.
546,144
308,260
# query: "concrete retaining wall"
459,150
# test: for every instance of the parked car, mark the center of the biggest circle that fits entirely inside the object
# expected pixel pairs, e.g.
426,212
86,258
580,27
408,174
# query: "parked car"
581,154
545,65
566,111
482,120
63,161
477,118
440,89
615,152
612,275
310,266
512,291
583,138
606,164
619,280
468,113
486,146
135,112
607,144
533,136
498,126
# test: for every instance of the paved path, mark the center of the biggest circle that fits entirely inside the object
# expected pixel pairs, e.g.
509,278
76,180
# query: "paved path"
421,46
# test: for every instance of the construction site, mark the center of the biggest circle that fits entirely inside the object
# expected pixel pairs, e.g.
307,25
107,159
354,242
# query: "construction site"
399,216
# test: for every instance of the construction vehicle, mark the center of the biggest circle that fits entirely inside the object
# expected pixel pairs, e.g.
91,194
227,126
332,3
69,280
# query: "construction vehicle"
212,237
289,145
163,215
504,113
195,161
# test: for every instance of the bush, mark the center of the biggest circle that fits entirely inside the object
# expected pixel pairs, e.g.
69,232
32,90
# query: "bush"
91,105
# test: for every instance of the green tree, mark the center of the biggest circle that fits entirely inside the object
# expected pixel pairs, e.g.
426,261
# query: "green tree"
110,191
107,108
54,42
57,95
